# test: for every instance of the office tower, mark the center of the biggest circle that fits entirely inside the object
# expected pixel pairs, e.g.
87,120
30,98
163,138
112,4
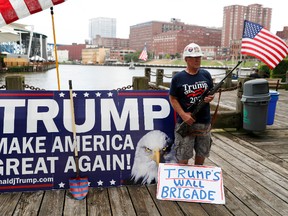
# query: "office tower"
233,21
103,26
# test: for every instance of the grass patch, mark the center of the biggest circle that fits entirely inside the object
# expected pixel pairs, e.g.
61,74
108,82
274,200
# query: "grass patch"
246,64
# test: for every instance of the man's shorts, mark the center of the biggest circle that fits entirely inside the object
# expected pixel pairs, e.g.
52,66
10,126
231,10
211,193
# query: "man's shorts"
198,139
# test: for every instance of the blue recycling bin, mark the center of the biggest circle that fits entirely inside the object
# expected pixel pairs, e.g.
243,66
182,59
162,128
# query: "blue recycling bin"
274,95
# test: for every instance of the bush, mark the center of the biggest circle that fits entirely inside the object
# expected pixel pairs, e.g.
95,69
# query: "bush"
280,70
264,69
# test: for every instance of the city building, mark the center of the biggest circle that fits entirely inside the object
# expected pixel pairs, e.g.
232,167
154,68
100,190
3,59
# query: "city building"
94,55
173,42
283,34
108,42
28,44
74,50
143,33
117,55
211,52
163,38
63,55
233,21
103,26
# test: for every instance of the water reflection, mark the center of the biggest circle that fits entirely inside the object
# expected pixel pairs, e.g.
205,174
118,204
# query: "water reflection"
86,77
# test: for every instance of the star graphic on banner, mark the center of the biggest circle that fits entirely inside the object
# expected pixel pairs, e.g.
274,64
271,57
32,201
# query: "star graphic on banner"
100,183
61,94
61,185
74,94
86,94
98,94
112,182
110,94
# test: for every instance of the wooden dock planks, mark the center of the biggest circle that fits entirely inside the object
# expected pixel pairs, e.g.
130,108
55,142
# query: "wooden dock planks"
255,174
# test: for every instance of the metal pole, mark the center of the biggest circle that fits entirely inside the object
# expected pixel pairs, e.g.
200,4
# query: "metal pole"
55,49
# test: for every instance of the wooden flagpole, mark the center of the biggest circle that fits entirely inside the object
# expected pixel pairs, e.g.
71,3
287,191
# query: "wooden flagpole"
55,49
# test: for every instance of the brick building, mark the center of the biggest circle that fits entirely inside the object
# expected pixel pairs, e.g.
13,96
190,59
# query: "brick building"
118,54
143,33
113,43
283,34
171,37
74,50
173,42
233,21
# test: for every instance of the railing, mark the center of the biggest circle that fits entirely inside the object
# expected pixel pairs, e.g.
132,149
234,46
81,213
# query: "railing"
225,118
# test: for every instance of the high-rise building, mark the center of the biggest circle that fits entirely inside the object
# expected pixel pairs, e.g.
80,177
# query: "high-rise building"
233,21
103,26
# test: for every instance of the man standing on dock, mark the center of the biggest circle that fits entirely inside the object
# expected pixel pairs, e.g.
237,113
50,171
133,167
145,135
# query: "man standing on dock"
186,88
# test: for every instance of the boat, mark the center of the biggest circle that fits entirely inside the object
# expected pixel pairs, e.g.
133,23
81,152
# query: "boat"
131,66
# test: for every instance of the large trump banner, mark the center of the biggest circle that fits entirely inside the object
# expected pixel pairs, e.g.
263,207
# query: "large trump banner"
119,136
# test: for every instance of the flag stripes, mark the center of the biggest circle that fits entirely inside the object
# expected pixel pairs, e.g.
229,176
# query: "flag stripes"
12,10
260,43
144,55
79,187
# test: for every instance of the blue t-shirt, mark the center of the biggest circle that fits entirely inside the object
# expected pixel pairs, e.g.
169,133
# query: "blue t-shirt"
187,88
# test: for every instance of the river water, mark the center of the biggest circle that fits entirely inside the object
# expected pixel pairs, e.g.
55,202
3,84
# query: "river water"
90,77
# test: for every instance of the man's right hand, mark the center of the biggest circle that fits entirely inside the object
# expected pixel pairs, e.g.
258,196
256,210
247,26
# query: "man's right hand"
187,118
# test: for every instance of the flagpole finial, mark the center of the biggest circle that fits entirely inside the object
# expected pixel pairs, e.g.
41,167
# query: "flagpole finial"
51,9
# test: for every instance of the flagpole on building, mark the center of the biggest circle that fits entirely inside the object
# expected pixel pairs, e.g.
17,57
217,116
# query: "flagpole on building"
241,56
55,49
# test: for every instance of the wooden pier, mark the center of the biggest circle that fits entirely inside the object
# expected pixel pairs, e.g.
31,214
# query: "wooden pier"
255,167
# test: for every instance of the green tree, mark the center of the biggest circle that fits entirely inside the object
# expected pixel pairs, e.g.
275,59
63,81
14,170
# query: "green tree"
265,69
178,55
280,70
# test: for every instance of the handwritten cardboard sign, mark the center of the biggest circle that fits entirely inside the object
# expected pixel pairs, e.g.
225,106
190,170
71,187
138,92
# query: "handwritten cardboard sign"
190,183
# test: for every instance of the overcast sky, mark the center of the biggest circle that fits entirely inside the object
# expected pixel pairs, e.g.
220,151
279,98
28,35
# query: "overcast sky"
71,18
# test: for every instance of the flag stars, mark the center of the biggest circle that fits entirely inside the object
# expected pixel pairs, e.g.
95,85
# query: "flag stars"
251,29
86,94
61,185
61,94
98,94
74,94
112,182
110,94
100,183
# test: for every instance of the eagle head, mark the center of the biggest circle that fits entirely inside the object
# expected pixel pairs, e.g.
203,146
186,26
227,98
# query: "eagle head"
152,148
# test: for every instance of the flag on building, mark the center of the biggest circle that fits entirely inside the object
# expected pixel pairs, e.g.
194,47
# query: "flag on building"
12,10
262,44
144,55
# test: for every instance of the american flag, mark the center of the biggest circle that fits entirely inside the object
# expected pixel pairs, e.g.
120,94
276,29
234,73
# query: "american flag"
12,10
144,55
262,44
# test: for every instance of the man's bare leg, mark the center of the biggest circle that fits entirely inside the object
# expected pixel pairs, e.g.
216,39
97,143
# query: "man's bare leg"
199,160
183,161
